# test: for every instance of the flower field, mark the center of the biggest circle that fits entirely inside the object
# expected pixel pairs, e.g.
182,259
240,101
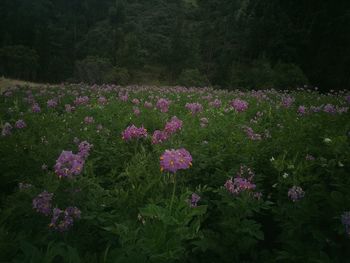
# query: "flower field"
173,174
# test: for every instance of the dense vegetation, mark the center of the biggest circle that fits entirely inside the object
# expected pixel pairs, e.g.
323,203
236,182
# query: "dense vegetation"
258,176
230,43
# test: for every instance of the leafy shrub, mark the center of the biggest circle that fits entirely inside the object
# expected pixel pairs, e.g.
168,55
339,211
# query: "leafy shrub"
192,78
92,69
288,76
117,75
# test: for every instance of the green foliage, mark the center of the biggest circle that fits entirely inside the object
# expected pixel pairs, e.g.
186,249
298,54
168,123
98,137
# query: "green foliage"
192,78
19,62
133,212
93,70
117,75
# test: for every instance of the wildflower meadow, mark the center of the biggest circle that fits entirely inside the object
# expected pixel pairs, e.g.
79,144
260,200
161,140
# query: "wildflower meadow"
172,174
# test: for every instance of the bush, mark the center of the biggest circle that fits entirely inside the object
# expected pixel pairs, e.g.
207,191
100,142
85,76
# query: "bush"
192,78
92,69
288,76
18,62
117,75
260,74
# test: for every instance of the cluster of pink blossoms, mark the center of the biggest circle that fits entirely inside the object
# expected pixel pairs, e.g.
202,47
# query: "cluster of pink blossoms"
171,127
132,132
239,105
242,182
163,105
69,164
174,160
81,100
194,108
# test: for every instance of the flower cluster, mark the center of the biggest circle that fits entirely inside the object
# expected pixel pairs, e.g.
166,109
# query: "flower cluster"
123,96
6,129
194,108
296,193
84,149
42,203
173,160
68,164
242,182
216,103
132,132
102,100
52,103
163,105
159,137
238,185
69,108
302,110
239,105
287,101
20,124
81,100
251,134
89,120
62,220
36,108
194,200
174,125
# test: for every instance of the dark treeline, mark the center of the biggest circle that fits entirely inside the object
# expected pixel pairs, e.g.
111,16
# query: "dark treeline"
229,43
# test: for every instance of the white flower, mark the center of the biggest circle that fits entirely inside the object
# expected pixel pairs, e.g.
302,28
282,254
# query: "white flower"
327,140
340,164
274,185
272,159
285,175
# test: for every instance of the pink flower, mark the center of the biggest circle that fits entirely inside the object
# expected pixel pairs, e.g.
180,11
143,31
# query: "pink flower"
239,105
132,132
173,160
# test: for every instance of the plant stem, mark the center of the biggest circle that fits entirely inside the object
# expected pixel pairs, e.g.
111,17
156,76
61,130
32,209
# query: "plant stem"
173,195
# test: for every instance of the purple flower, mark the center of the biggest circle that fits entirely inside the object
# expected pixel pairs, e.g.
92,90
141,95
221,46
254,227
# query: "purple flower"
173,125
173,160
63,220
52,103
287,101
89,120
132,132
102,100
123,96
69,108
194,200
136,101
345,220
329,108
239,105
36,108
216,103
302,110
296,193
194,107
84,149
163,105
81,100
148,105
251,134
136,111
42,203
238,185
6,129
20,124
159,137
68,164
